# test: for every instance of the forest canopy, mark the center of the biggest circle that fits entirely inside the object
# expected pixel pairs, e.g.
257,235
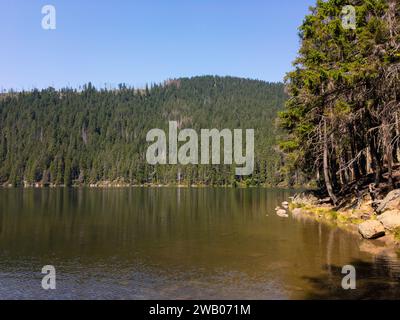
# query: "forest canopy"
91,136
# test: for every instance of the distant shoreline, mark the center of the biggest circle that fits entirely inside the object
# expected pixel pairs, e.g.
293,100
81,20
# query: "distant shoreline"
154,186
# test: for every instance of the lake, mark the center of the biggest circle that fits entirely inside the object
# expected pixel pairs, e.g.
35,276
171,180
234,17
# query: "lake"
179,243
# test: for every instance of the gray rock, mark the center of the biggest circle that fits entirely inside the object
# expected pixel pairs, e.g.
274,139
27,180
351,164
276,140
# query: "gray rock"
371,229
390,219
391,202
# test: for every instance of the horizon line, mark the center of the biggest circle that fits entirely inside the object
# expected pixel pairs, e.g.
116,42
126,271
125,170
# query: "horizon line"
117,87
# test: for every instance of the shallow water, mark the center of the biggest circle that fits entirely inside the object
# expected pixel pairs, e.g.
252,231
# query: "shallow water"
170,243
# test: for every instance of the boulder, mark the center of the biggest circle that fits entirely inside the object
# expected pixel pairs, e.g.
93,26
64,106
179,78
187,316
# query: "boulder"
391,202
390,219
372,229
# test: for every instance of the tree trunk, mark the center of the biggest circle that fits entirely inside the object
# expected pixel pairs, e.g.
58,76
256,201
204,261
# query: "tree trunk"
388,151
334,165
362,164
353,149
369,161
398,136
342,170
376,161
327,178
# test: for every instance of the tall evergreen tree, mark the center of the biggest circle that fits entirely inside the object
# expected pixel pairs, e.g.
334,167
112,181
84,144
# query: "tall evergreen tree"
342,113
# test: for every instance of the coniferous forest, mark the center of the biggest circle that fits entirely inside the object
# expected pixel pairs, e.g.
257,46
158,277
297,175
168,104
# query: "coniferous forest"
98,136
343,114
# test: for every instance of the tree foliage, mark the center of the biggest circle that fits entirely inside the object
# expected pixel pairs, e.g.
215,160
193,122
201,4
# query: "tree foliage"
342,117
81,137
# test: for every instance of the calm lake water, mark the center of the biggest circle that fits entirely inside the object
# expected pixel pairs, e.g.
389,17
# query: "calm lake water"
173,243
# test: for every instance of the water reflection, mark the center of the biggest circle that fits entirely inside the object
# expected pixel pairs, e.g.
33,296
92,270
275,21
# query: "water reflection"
167,244
379,279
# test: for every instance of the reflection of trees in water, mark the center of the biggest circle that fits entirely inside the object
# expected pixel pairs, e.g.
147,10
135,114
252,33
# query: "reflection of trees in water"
375,280
86,222
329,248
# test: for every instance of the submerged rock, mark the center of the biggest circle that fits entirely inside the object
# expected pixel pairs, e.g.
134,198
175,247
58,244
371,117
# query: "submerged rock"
391,202
281,213
390,219
371,229
379,250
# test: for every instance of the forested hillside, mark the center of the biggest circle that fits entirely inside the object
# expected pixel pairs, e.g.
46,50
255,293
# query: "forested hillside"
90,136
343,115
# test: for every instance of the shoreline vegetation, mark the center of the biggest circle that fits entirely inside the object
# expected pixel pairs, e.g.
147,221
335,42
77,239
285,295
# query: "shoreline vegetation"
342,117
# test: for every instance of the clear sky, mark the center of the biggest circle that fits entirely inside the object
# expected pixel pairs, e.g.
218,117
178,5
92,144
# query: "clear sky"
146,41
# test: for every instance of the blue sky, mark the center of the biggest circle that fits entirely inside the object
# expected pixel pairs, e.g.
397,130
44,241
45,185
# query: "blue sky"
148,41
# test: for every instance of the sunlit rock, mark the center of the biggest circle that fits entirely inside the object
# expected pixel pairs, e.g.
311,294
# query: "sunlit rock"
371,229
390,219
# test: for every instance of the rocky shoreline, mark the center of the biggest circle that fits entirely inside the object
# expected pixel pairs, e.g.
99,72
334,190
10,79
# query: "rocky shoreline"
379,224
